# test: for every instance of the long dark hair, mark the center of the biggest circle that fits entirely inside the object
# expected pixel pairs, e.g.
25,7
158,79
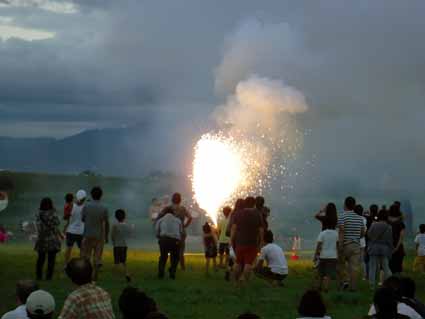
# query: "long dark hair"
239,205
46,204
331,216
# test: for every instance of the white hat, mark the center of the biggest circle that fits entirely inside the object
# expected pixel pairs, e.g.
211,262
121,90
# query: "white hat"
40,302
81,194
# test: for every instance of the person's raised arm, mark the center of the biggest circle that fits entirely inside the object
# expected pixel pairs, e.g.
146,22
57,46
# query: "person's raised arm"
320,215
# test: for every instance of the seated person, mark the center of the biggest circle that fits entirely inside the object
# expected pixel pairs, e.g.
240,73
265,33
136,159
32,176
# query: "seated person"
394,283
40,305
407,292
385,302
312,306
88,300
277,267
23,289
135,304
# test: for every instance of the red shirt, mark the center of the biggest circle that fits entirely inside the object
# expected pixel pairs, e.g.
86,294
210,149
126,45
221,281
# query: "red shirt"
67,209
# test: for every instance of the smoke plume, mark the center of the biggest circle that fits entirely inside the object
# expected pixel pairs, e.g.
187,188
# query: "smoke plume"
260,106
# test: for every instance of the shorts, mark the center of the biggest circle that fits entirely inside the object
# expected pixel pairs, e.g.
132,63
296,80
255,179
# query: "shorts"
72,239
245,255
120,255
327,268
419,264
211,251
266,273
223,248
93,248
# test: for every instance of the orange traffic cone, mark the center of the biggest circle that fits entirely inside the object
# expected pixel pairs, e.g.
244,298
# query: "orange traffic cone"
294,255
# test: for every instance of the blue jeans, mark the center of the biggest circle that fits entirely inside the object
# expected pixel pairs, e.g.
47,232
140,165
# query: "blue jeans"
376,263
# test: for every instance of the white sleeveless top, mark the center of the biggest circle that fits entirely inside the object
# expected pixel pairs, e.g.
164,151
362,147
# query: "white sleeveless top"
76,225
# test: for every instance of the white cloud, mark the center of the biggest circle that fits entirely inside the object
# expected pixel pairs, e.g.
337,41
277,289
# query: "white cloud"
61,7
9,31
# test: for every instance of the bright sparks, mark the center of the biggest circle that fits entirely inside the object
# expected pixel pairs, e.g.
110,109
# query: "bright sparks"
221,171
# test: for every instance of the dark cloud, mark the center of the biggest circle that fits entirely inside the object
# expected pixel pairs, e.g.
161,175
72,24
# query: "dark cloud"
359,63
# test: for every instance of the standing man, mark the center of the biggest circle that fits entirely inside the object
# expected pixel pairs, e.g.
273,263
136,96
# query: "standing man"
186,219
169,231
96,229
74,227
351,229
246,236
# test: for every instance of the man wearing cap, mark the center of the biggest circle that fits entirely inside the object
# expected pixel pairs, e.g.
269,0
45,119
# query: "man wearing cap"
88,300
74,227
40,305
23,289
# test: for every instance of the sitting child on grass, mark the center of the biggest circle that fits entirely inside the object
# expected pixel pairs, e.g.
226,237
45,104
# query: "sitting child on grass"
210,247
277,266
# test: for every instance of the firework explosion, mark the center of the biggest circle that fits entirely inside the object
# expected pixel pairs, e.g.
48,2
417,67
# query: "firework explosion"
223,169
252,153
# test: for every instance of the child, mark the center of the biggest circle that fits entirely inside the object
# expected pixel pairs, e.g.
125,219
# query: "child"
326,254
223,248
120,232
67,209
419,264
277,266
210,246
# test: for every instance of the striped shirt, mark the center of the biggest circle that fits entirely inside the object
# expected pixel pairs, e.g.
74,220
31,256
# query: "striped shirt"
353,225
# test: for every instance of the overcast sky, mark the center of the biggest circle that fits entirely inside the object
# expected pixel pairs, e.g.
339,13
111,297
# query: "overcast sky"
67,66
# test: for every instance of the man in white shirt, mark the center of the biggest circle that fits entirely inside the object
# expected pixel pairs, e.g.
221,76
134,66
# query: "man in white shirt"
277,266
74,227
169,230
23,289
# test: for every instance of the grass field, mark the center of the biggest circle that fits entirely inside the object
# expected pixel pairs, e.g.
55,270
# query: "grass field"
192,295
